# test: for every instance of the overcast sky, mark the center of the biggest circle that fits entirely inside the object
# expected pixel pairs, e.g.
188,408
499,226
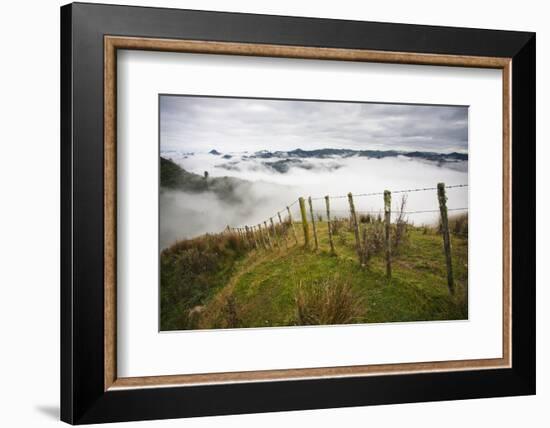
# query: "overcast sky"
199,124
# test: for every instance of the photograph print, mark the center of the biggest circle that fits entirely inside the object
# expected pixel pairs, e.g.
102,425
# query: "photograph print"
287,213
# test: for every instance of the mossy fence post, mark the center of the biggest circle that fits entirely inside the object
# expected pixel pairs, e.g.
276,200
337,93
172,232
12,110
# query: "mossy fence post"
442,197
304,221
262,237
262,234
365,253
275,235
267,235
251,228
283,231
329,225
292,224
387,220
355,226
313,225
248,237
255,237
244,237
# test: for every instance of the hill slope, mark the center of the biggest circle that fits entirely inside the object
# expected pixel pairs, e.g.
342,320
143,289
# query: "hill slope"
174,177
264,288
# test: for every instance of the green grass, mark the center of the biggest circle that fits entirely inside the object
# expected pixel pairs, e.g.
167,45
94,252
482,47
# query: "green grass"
191,272
259,289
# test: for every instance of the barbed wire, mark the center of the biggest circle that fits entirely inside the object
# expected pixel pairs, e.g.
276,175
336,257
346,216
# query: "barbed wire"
359,195
432,211
381,211
419,189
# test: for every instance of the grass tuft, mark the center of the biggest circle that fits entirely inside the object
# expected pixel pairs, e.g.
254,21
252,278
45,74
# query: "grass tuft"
332,301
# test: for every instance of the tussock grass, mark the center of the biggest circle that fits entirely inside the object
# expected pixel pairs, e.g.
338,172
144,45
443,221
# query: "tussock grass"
332,301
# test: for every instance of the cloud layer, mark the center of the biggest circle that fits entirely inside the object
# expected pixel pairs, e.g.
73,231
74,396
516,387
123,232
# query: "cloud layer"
198,124
186,215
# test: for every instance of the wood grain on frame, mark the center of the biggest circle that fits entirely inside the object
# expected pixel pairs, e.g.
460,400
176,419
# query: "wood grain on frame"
109,197
112,43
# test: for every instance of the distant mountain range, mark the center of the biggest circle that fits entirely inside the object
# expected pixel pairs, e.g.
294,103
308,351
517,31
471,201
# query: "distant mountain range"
376,154
283,161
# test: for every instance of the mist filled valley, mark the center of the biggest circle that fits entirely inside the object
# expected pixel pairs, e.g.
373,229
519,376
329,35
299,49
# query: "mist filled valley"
264,183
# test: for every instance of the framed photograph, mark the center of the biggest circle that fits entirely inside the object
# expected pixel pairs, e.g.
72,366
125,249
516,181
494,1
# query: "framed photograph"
266,213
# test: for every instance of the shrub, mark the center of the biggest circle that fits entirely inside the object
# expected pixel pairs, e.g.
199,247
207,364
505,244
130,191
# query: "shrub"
375,237
365,218
337,225
401,225
458,224
331,301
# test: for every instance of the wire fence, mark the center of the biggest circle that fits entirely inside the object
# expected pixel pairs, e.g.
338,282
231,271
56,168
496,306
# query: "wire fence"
282,229
285,210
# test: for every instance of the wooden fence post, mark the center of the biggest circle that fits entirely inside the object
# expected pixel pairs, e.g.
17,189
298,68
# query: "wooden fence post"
304,221
329,225
275,236
365,253
255,237
243,236
248,237
283,231
442,197
292,223
267,235
353,220
313,223
262,235
387,219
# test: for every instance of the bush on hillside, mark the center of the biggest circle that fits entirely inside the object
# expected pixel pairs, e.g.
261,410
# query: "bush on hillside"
458,224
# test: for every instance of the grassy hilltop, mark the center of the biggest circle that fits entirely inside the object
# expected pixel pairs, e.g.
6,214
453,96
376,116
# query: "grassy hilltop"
215,281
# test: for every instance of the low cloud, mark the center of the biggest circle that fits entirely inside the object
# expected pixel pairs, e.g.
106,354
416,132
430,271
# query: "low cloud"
185,215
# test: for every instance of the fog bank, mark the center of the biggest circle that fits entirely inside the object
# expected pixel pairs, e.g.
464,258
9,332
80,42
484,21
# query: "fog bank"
185,215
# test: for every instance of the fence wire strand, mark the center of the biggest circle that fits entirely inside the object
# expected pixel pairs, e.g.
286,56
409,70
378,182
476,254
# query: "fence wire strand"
359,195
